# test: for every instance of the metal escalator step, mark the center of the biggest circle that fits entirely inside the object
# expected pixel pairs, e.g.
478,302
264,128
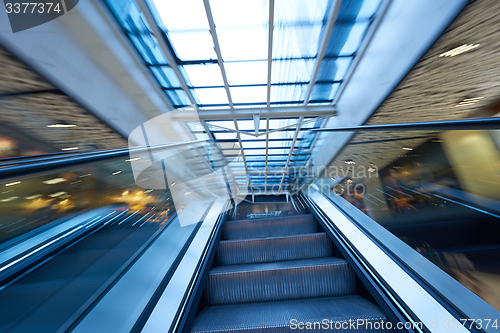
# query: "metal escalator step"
232,252
283,280
279,317
270,227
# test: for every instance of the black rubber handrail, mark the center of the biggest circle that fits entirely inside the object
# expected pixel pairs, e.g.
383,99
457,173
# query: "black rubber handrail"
444,125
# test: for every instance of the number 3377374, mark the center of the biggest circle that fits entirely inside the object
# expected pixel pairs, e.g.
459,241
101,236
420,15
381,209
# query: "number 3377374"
33,7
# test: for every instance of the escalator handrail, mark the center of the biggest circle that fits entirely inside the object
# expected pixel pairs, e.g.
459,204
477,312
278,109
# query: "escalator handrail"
49,162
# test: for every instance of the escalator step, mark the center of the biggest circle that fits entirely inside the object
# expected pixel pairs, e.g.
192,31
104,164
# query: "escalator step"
278,316
232,252
270,227
284,280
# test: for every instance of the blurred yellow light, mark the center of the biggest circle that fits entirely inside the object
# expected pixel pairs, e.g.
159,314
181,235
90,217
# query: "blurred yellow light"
14,183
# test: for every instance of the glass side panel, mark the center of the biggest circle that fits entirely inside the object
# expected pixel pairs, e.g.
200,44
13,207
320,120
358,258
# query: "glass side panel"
79,227
439,192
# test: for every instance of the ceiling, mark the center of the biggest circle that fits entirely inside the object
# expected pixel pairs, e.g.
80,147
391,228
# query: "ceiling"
434,89
29,104
261,74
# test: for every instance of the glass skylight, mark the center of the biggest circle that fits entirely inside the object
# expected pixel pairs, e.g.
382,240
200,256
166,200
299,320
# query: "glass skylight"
242,32
204,75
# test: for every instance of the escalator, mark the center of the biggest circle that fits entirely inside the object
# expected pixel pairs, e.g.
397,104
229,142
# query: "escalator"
277,274
50,296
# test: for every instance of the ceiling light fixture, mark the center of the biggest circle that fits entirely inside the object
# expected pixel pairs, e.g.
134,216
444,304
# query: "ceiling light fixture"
36,196
459,50
469,101
406,148
54,181
60,126
9,199
57,194
116,173
14,183
72,148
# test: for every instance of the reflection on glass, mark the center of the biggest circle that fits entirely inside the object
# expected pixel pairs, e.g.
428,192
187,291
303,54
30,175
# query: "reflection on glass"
439,193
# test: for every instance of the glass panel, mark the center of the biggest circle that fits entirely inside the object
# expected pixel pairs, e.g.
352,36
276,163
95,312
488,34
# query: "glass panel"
296,41
295,11
91,222
288,93
178,97
281,134
219,125
166,76
148,47
211,95
286,143
248,72
238,13
248,94
226,135
333,69
324,91
422,186
352,10
255,152
292,70
280,123
193,45
204,75
369,8
246,125
279,151
259,144
243,44
182,15
346,38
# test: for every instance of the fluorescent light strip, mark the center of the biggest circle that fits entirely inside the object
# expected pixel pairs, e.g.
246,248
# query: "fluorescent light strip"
54,181
116,173
72,148
60,126
469,101
459,50
464,50
473,99
14,183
